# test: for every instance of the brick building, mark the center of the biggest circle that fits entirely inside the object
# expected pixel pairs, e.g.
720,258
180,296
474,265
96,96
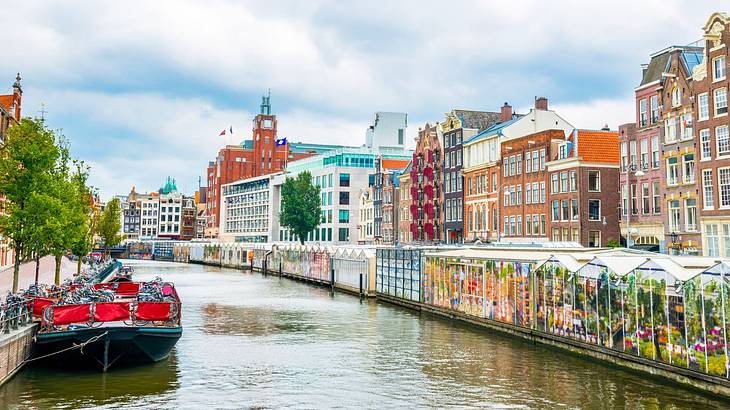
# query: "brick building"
524,206
483,187
262,155
583,195
640,162
10,107
405,218
384,186
458,126
426,190
679,156
710,87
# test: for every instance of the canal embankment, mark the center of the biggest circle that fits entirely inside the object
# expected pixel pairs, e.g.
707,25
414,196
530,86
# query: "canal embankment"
15,348
667,317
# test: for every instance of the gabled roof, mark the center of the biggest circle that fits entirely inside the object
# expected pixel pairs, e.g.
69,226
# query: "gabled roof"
495,129
478,120
656,67
6,101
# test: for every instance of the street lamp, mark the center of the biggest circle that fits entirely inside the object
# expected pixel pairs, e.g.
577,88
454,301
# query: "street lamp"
631,169
674,236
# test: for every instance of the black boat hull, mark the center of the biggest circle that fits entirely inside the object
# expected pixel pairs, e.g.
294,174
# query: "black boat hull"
107,346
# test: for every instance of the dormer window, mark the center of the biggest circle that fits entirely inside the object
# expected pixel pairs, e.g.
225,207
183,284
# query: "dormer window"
267,123
676,97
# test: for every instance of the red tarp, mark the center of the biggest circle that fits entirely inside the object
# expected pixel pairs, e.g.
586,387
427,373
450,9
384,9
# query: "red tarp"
111,311
39,304
153,311
127,288
103,286
64,315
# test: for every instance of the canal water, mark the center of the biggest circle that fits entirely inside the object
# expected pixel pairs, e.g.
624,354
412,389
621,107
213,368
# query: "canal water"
255,342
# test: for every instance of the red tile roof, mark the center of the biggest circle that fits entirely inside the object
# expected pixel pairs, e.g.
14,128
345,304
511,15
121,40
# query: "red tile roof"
598,146
6,101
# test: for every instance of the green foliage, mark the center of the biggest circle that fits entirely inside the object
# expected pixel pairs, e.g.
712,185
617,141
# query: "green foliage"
613,243
43,208
28,161
110,224
300,205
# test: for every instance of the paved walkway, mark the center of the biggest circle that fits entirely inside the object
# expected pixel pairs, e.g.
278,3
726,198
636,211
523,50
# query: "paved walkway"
46,274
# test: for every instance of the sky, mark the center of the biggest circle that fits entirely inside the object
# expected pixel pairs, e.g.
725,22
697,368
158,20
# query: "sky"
142,89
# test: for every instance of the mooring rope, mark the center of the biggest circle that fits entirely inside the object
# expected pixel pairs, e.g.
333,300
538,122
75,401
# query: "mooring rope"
75,346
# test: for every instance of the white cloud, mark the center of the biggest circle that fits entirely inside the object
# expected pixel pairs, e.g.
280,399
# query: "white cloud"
156,81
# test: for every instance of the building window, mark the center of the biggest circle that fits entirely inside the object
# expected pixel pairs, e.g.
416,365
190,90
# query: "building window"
519,225
535,225
704,106
542,159
656,192
556,235
535,192
624,155
690,209
676,96
574,209
506,225
645,198
624,199
594,181
674,216
528,194
713,242
344,234
528,163
563,182
718,68
554,184
686,126
672,171
720,101
634,207
644,153
344,198
654,109
556,211
642,113
594,239
723,143
594,209
400,136
689,168
723,182
573,181
565,214
655,152
535,163
519,164
670,130
344,216
512,225
542,192
707,189
705,146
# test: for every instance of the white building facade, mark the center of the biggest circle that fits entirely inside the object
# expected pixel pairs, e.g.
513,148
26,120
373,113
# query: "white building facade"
388,130
249,208
367,220
170,215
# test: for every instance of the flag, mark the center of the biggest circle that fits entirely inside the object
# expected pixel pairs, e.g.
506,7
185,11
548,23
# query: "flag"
231,129
280,142
222,133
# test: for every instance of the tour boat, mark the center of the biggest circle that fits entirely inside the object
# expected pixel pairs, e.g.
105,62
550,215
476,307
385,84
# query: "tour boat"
125,331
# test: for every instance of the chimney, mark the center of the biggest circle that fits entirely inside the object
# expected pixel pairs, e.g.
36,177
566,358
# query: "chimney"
605,128
541,103
506,114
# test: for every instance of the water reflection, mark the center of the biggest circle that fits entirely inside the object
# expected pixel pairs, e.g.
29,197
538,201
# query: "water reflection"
46,387
254,342
253,321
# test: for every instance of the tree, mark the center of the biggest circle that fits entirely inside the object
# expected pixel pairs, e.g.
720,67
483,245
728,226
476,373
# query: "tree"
300,205
83,242
110,224
27,161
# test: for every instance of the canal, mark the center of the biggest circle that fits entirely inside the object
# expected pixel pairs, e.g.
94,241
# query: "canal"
255,342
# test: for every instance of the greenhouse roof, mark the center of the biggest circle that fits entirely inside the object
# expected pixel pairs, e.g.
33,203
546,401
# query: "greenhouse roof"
719,268
621,265
671,267
531,255
568,261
